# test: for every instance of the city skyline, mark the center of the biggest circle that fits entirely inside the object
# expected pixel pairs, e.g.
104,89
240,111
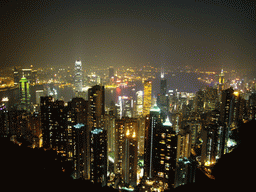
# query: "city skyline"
159,33
142,96
128,140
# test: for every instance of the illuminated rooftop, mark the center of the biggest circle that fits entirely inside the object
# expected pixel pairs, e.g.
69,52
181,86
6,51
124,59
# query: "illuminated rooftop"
155,108
167,122
23,79
96,131
78,125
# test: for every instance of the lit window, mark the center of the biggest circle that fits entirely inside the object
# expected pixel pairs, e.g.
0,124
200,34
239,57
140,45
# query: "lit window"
160,174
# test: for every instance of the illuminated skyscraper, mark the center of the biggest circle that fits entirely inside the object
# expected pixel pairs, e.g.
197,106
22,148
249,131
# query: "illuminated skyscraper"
24,94
160,148
27,73
139,103
141,135
125,155
184,143
64,129
162,98
125,105
183,157
210,99
231,113
98,149
185,171
54,124
152,121
96,96
199,101
119,145
147,99
195,127
165,153
78,148
212,144
163,84
221,80
221,77
79,156
110,127
130,159
78,76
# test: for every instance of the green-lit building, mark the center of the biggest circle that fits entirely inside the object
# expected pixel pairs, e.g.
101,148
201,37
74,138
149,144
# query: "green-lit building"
24,94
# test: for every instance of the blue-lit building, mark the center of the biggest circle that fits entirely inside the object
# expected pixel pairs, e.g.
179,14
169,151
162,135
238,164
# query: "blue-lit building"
152,121
77,134
79,151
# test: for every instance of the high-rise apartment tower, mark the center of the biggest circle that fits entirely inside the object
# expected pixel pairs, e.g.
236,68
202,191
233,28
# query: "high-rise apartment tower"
147,97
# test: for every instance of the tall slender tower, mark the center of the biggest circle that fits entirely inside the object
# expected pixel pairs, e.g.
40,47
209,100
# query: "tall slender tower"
231,113
162,99
98,145
130,158
24,94
163,85
96,96
78,76
147,97
139,103
221,80
152,121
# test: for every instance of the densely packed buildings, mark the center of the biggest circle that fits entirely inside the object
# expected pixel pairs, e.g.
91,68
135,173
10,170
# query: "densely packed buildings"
137,140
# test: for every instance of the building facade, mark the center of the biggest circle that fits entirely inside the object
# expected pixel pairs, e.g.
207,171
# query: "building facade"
78,76
96,99
98,157
24,94
147,98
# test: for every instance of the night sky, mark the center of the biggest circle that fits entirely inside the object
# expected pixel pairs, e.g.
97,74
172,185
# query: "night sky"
205,34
